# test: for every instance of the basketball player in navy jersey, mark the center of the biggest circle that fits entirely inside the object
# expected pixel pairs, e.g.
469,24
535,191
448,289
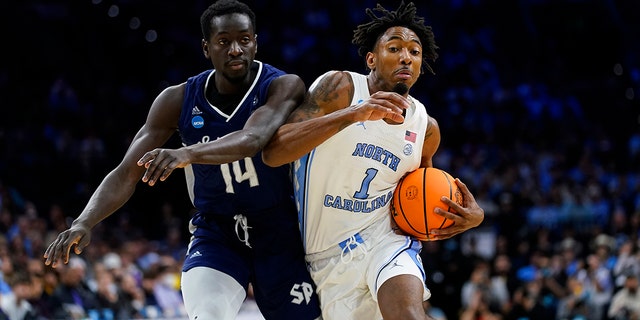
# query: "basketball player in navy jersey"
351,144
245,229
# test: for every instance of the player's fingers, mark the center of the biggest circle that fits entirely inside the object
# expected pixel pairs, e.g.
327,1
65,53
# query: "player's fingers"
393,98
166,173
151,166
395,117
161,172
73,240
391,105
148,174
389,100
445,233
49,254
56,252
147,158
454,216
467,195
453,206
81,243
154,170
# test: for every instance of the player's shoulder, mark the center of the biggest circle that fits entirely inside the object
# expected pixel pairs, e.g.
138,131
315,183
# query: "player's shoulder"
176,89
287,77
336,75
267,70
333,80
202,76
332,91
172,94
432,123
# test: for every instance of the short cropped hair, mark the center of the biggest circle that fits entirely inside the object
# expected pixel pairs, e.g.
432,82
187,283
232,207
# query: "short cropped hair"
221,8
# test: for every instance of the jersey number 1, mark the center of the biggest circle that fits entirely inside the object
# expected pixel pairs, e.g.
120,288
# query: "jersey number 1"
363,193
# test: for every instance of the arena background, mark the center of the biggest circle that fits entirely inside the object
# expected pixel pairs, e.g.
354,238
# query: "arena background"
537,103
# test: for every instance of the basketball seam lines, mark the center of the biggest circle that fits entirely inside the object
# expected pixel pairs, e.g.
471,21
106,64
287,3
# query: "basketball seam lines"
424,204
450,197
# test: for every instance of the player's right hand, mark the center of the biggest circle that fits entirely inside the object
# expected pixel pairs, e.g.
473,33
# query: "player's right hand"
76,236
161,162
381,105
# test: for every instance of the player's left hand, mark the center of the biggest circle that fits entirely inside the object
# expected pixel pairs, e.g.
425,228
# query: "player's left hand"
77,236
464,217
160,163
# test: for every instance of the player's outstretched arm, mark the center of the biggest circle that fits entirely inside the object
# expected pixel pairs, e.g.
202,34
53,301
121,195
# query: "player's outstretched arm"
285,93
325,111
118,186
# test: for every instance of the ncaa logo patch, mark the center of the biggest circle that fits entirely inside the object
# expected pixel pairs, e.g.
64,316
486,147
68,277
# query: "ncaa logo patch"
197,122
408,149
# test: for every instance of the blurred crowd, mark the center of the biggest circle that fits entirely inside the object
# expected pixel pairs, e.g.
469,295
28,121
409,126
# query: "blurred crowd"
535,99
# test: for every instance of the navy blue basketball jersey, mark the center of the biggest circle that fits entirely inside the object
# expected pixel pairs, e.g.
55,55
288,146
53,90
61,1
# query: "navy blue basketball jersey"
246,186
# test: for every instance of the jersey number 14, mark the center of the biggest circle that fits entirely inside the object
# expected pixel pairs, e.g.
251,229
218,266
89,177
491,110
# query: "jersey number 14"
249,173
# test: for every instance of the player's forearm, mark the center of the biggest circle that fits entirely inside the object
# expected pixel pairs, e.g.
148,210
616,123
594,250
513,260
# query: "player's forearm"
111,194
232,147
294,140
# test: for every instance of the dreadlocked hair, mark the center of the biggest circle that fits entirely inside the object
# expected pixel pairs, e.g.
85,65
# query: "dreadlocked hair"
221,8
367,34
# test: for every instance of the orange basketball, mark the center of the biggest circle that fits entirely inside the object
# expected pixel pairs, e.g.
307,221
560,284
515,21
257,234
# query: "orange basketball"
418,193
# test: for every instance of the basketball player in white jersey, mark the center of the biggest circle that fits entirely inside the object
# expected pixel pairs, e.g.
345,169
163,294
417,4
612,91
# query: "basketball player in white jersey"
350,142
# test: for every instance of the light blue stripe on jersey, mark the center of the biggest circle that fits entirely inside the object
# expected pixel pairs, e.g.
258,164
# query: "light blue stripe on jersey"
301,189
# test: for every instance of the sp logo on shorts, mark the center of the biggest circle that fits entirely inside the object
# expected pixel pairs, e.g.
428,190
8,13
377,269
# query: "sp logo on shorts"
301,293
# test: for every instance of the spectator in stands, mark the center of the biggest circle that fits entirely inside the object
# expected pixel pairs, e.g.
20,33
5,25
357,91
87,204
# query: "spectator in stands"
478,281
166,289
625,304
6,271
627,262
73,297
15,304
573,305
597,282
503,282
40,298
133,296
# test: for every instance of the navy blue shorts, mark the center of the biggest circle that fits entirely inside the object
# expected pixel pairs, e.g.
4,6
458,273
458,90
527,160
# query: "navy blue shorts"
274,264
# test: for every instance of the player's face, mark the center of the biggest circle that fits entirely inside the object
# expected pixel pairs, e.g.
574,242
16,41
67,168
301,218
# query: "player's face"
397,57
232,46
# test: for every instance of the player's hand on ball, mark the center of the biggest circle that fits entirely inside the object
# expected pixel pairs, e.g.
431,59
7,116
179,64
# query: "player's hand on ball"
465,217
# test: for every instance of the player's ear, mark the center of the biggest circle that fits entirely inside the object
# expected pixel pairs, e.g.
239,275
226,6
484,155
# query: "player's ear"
371,60
205,48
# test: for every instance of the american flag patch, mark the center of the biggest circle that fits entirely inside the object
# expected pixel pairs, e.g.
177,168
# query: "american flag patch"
410,136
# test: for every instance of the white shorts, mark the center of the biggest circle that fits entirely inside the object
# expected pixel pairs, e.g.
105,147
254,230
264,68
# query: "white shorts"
211,294
348,278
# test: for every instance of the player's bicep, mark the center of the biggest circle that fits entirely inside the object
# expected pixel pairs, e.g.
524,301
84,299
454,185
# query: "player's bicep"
160,125
164,113
328,93
431,143
308,109
285,94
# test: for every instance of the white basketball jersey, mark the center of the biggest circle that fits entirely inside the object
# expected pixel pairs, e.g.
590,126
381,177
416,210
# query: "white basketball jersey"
346,184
